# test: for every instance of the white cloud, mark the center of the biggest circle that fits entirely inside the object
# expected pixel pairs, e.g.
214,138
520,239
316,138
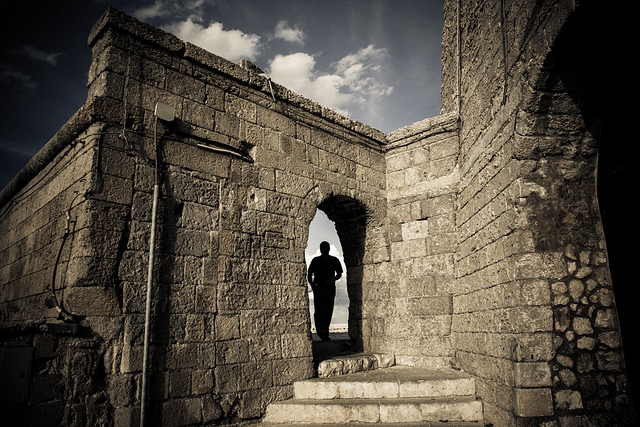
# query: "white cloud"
230,44
355,78
155,10
164,8
297,72
13,148
16,79
293,35
38,55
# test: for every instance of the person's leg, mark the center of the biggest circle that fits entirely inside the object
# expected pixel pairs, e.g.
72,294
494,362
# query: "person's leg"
329,303
321,316
328,297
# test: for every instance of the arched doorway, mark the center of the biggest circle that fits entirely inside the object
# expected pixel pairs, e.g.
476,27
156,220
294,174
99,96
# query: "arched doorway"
350,218
580,85
323,229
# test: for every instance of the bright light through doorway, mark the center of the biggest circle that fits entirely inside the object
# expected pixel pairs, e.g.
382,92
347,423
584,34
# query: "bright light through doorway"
322,228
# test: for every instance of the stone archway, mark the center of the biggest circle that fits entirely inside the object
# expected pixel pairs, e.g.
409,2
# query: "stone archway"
572,144
350,218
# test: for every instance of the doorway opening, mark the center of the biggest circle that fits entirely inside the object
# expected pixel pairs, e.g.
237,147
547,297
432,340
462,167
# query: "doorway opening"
341,221
323,229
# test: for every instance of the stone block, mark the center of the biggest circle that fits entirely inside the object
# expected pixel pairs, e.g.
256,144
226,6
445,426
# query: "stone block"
255,376
398,162
186,86
582,326
179,384
442,224
45,346
273,120
330,368
232,352
533,402
159,385
94,301
534,347
444,148
202,381
442,243
206,355
539,265
441,167
396,180
425,306
227,378
227,327
570,400
131,359
180,412
197,114
214,97
605,319
264,347
198,328
227,124
127,416
535,374
415,230
182,356
295,345
251,405
286,372
535,292
408,249
210,265
399,214
211,410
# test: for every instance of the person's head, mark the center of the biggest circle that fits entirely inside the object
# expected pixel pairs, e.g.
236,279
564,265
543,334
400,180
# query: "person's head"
324,248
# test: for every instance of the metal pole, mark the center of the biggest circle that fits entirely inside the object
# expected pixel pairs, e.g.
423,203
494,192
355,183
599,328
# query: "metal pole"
147,317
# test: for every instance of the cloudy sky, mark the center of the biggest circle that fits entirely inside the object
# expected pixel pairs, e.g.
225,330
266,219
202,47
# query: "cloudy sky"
376,61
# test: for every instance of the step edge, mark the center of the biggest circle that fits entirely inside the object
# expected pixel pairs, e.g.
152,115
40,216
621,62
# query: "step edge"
400,400
471,411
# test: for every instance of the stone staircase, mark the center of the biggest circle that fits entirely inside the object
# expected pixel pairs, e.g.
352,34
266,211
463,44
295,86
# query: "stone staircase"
354,392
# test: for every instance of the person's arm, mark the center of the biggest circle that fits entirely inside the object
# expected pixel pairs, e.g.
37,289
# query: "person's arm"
338,268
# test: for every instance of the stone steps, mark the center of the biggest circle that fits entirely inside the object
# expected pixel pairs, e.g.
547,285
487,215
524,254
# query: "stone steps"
420,424
352,363
397,394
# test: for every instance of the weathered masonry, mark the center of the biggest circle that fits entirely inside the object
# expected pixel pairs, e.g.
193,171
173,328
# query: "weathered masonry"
473,239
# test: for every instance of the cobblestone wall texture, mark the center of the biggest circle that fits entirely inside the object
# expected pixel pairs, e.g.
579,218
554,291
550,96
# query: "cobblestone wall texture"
472,239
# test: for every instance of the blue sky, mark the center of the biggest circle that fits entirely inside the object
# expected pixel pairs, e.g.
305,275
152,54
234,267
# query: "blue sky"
376,61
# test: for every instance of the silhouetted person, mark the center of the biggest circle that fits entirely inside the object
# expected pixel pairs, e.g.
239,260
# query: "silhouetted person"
323,272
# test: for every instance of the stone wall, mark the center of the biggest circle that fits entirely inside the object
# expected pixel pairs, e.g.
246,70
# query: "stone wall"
526,306
41,261
472,239
34,223
422,183
243,168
